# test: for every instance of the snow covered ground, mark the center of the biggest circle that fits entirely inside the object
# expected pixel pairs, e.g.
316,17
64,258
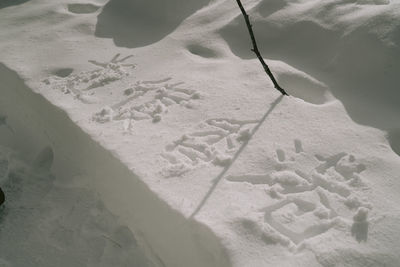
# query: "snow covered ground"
49,222
164,143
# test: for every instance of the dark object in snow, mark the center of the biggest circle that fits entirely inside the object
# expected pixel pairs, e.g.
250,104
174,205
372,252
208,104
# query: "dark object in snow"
2,197
257,52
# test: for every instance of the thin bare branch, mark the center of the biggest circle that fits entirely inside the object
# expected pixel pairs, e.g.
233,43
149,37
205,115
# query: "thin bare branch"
257,52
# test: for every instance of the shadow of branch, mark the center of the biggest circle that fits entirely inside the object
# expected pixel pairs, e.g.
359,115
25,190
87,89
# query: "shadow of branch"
242,147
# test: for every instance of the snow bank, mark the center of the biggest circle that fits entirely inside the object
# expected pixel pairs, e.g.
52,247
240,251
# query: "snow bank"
167,237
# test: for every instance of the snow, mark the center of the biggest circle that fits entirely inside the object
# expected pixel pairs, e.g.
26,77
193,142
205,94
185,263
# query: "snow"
49,222
145,133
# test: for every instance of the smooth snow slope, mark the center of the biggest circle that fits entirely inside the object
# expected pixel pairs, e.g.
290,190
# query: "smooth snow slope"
207,164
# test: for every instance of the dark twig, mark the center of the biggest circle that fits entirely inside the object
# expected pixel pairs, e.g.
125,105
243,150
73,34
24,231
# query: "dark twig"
256,51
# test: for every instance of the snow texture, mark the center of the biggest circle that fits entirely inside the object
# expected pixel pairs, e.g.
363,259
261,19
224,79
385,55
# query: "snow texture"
145,133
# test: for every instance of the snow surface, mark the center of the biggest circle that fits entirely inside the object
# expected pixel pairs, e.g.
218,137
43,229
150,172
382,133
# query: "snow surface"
163,143
49,222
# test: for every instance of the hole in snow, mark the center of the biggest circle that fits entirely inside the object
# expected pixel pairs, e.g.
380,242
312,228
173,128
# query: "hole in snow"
64,72
302,86
201,51
82,8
